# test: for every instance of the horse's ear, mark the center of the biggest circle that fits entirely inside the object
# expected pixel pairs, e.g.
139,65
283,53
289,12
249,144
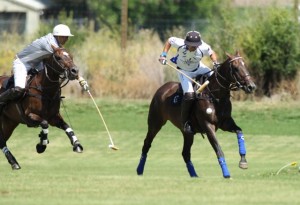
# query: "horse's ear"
237,53
228,55
54,48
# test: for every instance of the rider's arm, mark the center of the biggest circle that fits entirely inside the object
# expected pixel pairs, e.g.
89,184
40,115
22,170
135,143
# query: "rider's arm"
214,58
166,48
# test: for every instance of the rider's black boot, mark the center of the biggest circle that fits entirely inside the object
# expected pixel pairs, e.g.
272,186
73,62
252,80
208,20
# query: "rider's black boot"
11,94
187,102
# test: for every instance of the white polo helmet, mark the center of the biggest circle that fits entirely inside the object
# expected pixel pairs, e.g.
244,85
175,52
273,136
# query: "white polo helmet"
61,30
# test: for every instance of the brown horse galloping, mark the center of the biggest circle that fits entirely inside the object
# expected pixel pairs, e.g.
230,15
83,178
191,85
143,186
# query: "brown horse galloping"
41,103
212,110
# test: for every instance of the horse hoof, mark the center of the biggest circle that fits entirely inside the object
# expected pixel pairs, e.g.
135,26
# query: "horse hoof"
40,148
15,167
77,148
243,165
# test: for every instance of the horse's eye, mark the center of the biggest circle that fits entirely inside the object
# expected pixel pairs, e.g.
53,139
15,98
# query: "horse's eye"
58,58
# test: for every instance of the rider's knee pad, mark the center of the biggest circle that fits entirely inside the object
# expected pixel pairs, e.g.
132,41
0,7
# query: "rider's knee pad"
18,92
189,96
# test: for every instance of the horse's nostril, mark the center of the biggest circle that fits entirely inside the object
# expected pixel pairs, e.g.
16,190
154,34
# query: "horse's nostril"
74,71
251,88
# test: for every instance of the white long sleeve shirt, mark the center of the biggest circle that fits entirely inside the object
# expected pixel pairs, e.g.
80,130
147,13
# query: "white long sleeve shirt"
187,60
33,54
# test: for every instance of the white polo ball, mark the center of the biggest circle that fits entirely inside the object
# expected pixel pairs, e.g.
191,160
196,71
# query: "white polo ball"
209,110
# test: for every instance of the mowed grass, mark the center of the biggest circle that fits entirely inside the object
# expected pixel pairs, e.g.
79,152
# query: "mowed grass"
102,176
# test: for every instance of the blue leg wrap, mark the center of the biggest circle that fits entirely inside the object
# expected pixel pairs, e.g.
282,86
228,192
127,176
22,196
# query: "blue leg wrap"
191,169
224,168
241,141
140,168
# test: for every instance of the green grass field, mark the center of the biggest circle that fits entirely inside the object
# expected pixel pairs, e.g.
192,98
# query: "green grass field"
102,176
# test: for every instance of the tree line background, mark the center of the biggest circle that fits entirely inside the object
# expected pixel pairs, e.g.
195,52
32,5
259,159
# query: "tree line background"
268,39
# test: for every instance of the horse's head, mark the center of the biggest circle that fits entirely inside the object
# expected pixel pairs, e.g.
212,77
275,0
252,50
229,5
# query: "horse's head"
64,63
234,71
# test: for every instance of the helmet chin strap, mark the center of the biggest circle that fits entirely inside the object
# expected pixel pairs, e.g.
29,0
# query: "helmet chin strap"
59,41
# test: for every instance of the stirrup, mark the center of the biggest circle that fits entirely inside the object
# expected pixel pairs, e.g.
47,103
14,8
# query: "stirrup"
187,128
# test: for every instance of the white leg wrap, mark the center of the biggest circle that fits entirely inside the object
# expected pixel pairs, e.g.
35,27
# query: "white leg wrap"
4,150
45,131
69,130
74,138
44,142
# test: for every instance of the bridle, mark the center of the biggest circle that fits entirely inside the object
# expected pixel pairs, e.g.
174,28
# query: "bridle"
235,84
62,71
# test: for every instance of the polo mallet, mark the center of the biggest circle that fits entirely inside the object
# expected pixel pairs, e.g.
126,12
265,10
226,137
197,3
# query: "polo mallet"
111,146
292,164
201,87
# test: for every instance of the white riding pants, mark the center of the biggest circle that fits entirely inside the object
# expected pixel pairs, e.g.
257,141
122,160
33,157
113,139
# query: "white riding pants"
20,73
187,84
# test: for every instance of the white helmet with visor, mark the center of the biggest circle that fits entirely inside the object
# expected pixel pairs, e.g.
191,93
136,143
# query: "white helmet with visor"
61,30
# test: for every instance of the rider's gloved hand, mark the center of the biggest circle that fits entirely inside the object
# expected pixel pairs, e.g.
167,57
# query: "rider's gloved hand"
216,64
163,58
83,83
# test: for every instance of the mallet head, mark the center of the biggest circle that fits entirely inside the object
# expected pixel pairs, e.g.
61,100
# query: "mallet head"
113,147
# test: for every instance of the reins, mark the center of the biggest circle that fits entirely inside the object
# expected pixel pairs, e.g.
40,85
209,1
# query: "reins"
232,85
60,78
64,73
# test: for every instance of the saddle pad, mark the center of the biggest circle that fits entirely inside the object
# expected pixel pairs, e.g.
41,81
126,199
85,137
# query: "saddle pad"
175,99
8,83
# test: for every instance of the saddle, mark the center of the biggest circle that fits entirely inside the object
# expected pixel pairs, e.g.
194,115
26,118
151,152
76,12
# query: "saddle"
10,81
7,83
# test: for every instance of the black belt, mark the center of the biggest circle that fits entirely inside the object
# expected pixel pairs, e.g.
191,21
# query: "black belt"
187,70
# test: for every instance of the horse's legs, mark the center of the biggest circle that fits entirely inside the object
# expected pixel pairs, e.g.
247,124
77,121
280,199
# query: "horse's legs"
6,131
186,153
10,158
42,145
211,135
60,123
243,164
155,122
230,126
146,147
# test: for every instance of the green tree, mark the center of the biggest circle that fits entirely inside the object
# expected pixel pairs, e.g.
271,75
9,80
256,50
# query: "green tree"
269,39
274,48
154,14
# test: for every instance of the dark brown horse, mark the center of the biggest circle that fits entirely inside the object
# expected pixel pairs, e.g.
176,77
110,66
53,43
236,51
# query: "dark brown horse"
211,110
41,103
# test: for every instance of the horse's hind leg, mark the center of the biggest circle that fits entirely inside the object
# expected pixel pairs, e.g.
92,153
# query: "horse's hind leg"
7,132
10,158
186,153
146,147
155,123
60,123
